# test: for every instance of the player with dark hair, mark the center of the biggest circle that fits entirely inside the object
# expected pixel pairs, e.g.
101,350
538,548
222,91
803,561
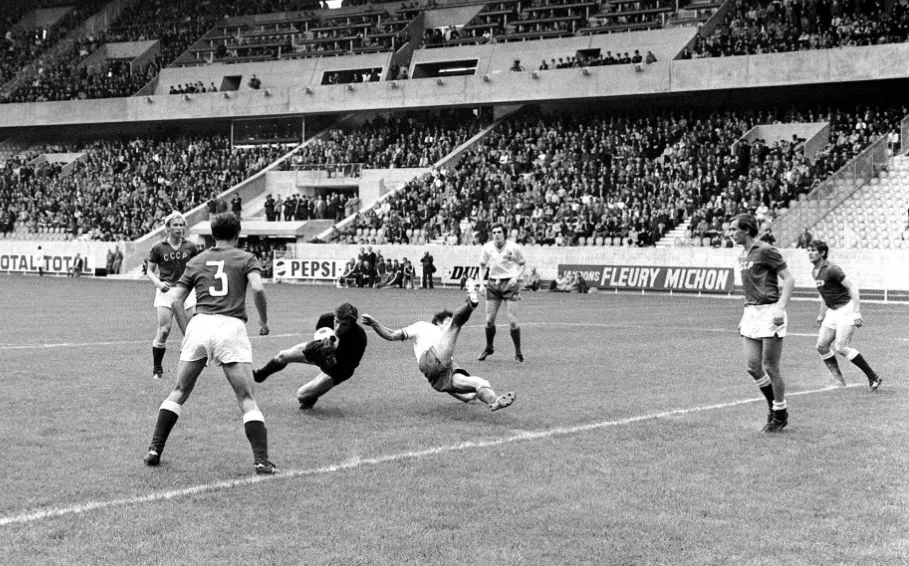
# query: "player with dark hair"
505,261
768,286
434,344
164,266
220,276
336,355
839,315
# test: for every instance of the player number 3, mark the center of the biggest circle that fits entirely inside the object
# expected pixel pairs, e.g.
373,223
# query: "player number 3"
220,276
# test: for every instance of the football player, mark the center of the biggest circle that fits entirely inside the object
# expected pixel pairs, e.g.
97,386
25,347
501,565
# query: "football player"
337,355
220,277
165,264
839,315
768,286
505,261
434,344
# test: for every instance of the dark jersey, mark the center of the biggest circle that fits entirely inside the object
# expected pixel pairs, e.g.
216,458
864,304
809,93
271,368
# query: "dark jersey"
171,261
829,280
351,346
219,277
760,266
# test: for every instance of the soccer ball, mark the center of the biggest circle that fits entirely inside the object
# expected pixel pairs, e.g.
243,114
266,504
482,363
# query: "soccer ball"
325,332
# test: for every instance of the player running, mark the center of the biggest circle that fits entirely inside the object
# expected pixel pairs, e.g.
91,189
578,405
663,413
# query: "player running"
337,355
434,345
839,315
220,276
166,262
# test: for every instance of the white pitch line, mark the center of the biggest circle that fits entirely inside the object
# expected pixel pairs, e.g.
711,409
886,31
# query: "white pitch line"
354,463
115,343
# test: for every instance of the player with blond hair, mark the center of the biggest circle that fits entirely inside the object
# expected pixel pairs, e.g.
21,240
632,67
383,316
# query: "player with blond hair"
165,264
217,333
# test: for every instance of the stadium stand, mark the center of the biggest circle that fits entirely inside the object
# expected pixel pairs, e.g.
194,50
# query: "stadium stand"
570,179
412,139
759,26
121,189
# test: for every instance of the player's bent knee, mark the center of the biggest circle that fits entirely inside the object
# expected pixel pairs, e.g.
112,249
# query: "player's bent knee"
480,383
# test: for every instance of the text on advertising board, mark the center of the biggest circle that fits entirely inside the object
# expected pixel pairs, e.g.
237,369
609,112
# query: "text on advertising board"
655,278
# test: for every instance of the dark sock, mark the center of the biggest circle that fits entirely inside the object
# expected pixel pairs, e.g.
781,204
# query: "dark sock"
158,356
258,439
490,336
767,390
163,426
462,315
860,363
833,366
273,366
516,338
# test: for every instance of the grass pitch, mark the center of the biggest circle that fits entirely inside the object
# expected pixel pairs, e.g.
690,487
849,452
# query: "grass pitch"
634,440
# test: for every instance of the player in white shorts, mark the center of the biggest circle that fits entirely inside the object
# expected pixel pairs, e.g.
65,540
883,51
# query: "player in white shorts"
434,344
217,333
768,286
166,261
506,264
839,316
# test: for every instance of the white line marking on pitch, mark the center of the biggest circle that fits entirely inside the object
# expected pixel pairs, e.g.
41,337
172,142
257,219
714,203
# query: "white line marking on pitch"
116,343
355,463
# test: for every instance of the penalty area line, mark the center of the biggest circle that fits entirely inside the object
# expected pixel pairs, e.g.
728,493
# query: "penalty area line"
355,463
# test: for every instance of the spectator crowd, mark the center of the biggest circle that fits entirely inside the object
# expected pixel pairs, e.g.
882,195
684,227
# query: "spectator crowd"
764,26
122,189
564,178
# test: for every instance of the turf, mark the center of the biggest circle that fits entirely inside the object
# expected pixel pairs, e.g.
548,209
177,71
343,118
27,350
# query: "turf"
634,440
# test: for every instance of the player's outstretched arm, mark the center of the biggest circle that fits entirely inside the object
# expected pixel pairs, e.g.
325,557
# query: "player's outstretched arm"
384,331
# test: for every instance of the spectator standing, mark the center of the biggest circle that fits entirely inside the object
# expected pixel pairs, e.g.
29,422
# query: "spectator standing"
236,205
428,270
270,208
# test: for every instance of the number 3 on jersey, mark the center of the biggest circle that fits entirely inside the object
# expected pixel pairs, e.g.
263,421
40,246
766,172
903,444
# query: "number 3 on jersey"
220,276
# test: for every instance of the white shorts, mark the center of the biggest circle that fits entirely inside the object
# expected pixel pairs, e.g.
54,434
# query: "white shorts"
217,338
757,322
165,299
843,316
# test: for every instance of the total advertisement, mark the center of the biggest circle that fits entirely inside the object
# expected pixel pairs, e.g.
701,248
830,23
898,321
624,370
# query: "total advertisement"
655,278
48,262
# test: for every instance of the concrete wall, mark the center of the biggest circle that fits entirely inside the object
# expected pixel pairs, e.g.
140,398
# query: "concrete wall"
826,66
122,50
275,75
447,17
799,67
43,17
815,134
375,183
499,57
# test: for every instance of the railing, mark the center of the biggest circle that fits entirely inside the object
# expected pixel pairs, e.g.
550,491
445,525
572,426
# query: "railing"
811,208
333,170
904,131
